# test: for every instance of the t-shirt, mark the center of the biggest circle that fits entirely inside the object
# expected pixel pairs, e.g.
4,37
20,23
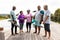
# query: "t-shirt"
38,16
29,17
12,15
47,13
21,18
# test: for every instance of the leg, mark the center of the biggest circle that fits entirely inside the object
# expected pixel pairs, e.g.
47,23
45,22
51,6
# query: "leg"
35,29
45,30
38,24
12,26
38,30
22,26
15,25
45,33
49,32
15,29
27,26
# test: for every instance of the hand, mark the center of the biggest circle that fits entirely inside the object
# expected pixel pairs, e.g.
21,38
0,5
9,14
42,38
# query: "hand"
12,22
43,22
40,22
21,18
17,14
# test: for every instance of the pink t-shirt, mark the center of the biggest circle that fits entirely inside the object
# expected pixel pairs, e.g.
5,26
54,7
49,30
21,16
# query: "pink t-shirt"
28,16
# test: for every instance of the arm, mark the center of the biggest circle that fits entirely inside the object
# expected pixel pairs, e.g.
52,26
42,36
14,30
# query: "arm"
31,17
17,14
45,19
41,19
11,15
18,17
47,16
42,14
25,17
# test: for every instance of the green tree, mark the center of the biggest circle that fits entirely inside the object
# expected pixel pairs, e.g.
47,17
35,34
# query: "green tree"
52,17
57,15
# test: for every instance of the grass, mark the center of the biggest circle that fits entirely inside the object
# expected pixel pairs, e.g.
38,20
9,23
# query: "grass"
2,18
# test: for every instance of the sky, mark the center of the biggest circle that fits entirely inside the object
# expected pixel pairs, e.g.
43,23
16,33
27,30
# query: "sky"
6,5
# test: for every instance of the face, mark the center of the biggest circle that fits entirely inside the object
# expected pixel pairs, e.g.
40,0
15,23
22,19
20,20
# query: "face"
21,12
14,8
45,7
38,8
28,11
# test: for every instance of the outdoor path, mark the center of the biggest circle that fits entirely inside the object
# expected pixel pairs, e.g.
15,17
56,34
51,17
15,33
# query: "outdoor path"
55,33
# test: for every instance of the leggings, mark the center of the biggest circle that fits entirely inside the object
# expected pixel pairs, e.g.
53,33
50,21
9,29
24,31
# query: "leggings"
28,25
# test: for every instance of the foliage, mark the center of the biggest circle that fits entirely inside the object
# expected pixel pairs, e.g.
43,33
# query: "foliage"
56,16
4,17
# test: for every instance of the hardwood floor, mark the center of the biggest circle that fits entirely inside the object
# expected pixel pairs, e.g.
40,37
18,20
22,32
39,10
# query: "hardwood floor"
27,36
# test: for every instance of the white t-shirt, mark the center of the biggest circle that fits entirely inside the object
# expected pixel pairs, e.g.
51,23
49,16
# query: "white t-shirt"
38,16
47,13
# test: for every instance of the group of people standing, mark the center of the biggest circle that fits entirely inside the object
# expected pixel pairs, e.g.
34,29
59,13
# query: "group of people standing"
41,16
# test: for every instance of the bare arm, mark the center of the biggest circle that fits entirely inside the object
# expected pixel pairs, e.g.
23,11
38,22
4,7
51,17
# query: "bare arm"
45,19
17,14
41,18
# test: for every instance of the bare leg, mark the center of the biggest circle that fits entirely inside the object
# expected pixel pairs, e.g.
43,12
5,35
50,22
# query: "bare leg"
49,33
38,30
35,29
19,31
45,33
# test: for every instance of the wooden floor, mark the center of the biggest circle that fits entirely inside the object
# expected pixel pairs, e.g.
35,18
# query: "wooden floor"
27,36
55,34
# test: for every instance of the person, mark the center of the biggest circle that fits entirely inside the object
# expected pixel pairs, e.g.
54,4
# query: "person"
13,18
38,20
21,20
46,21
29,20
